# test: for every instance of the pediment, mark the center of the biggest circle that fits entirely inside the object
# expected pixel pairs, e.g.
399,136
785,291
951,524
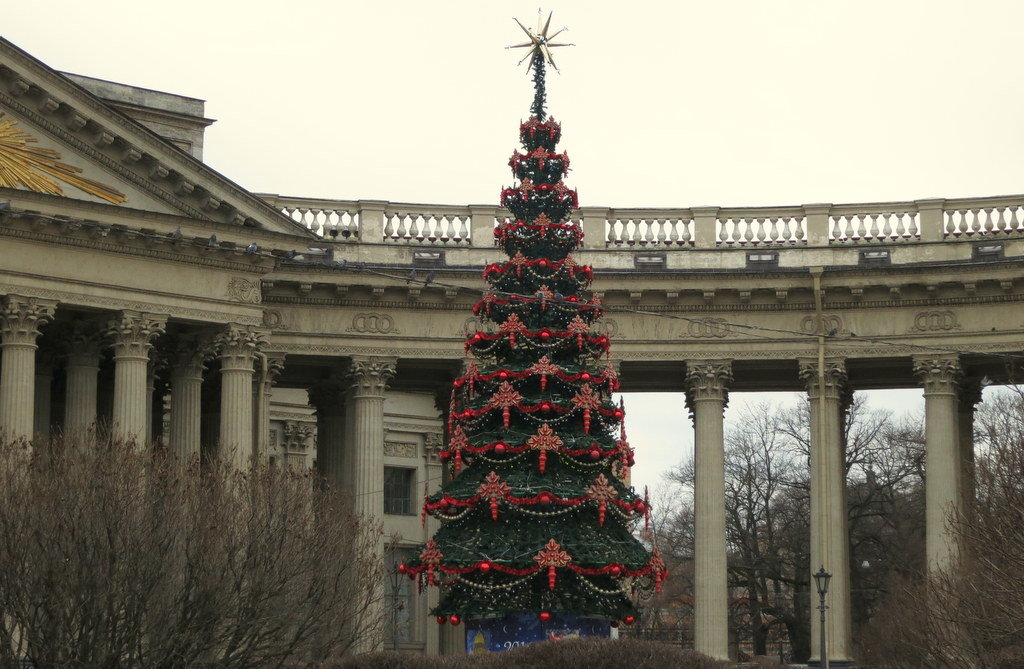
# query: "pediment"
58,139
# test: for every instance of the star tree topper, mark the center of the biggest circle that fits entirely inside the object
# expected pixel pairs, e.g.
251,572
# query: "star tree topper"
539,53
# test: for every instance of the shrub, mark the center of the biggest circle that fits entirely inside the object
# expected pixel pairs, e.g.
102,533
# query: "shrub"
114,556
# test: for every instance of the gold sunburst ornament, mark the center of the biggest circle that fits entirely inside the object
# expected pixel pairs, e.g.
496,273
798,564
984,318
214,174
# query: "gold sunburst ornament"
24,165
539,53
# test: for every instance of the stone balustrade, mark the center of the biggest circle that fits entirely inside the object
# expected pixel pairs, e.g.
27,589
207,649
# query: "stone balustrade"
815,225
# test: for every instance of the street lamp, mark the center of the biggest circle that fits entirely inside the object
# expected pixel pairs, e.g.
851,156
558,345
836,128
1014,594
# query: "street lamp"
821,579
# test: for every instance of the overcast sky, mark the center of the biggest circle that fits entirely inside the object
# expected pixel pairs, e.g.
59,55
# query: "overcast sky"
674,103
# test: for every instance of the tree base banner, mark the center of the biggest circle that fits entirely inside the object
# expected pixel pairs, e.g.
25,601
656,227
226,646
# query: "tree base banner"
493,635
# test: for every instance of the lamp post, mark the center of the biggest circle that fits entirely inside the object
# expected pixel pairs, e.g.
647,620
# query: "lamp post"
821,579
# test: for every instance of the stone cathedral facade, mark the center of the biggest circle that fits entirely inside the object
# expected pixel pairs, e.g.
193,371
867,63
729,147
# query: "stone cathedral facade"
143,291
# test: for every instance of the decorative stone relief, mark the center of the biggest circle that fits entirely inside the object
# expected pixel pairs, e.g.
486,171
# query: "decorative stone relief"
938,374
373,322
471,325
400,449
244,290
833,323
608,327
21,318
935,321
297,435
433,442
835,377
707,327
273,319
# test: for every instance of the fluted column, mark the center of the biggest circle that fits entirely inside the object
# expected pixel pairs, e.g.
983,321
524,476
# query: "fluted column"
131,335
42,411
271,367
237,346
329,399
940,377
82,368
969,396
707,393
20,321
369,378
830,543
187,358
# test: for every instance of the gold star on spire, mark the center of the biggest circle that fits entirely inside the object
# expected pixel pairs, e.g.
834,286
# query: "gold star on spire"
540,43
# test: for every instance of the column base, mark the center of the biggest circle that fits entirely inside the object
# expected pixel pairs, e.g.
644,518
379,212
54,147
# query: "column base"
832,664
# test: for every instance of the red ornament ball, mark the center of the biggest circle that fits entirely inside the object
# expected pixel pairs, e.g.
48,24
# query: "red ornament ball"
454,619
459,382
572,298
441,620
475,338
543,262
545,497
616,570
595,453
503,375
545,335
500,448
585,376
545,617
619,413
484,567
402,568
443,455
629,620
443,503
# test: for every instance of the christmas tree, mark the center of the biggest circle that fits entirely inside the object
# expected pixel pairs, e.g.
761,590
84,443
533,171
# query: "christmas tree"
536,518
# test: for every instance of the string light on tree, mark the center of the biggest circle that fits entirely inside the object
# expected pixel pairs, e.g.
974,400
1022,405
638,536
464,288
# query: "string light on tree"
535,520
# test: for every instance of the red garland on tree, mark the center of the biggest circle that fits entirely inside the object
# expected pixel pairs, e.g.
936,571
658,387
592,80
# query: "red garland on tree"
533,431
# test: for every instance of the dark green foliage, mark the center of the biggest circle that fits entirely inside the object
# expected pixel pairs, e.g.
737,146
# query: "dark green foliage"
534,518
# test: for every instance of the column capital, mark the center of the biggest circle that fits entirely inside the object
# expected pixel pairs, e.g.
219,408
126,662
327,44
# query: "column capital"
328,398
969,393
938,374
708,380
238,345
21,318
189,353
131,333
81,342
275,365
369,376
835,377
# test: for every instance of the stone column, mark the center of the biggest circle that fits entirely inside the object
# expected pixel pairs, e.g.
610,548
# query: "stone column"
82,368
20,320
707,394
328,397
969,396
271,367
940,376
188,357
830,543
43,418
131,335
238,346
368,378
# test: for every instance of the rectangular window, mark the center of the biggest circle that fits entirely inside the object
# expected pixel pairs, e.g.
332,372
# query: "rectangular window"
401,609
398,484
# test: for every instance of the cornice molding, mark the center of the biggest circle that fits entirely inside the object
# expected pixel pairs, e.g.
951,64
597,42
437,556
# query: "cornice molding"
123,248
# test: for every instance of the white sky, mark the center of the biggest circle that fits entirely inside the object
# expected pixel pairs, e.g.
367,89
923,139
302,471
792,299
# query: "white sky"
668,103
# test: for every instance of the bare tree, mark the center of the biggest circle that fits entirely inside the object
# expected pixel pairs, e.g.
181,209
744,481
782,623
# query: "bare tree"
114,557
768,512
969,616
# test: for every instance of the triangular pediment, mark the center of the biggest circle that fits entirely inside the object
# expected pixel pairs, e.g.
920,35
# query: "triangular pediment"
58,139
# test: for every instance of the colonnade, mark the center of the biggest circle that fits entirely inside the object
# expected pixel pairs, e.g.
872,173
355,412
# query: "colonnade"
949,408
